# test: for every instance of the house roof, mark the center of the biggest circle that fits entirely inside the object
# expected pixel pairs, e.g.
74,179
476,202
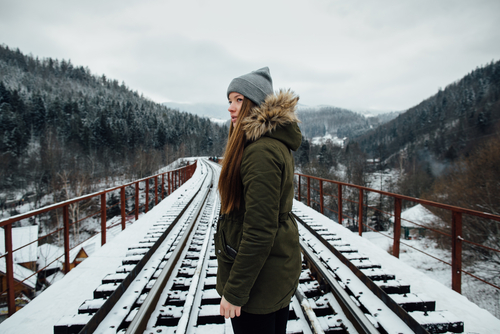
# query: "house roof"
417,215
22,236
47,253
20,273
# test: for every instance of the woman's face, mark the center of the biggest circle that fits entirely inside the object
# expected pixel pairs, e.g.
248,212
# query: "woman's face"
235,102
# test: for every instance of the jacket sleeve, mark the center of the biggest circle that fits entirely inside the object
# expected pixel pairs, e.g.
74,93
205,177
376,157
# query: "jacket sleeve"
261,173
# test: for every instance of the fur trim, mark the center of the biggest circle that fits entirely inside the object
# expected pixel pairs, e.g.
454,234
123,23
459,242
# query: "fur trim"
277,110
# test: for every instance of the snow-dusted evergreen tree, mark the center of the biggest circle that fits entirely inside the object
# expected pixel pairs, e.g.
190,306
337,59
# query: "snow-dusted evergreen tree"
438,125
64,111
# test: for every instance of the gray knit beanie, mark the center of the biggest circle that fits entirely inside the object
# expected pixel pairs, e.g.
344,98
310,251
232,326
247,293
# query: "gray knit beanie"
255,85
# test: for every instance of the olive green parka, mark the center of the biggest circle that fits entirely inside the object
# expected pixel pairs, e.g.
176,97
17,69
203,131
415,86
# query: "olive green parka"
257,246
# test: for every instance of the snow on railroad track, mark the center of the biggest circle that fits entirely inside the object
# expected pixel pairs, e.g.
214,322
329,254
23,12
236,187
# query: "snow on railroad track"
64,298
476,320
146,265
359,304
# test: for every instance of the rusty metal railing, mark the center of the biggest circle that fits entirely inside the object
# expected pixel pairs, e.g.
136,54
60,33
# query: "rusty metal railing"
456,235
170,181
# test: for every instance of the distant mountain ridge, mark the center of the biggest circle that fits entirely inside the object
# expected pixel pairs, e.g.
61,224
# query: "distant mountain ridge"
447,125
56,117
337,122
316,121
210,110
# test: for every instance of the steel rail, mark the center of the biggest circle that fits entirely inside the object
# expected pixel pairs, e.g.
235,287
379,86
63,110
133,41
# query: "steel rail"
308,311
111,301
188,305
141,319
352,311
382,295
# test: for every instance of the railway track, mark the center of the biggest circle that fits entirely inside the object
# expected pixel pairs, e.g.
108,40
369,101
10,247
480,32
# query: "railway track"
356,295
122,293
166,283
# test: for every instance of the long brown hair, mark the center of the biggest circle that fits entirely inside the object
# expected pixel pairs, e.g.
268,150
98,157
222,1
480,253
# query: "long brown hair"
230,186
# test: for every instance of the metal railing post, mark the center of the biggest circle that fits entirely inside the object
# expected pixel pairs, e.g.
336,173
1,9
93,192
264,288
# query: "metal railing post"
169,181
162,186
136,200
360,213
299,188
11,298
321,202
103,218
456,251
340,202
147,196
66,238
308,191
156,190
397,227
122,206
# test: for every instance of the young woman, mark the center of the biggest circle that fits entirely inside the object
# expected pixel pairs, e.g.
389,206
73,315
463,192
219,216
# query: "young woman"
257,241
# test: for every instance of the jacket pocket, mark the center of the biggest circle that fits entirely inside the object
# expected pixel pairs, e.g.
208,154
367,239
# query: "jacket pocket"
221,250
229,250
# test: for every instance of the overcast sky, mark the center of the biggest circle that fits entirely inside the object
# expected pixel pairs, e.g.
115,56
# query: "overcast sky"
360,55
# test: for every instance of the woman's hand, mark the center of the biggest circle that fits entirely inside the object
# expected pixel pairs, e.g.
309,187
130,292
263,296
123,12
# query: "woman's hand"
228,310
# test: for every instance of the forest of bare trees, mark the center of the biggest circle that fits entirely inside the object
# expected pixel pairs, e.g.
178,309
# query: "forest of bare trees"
474,183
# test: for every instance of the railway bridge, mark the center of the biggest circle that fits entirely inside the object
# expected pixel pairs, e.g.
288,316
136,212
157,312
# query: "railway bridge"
156,274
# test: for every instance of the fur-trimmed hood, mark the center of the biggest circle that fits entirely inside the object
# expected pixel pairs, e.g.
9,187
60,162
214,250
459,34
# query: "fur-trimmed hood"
275,118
